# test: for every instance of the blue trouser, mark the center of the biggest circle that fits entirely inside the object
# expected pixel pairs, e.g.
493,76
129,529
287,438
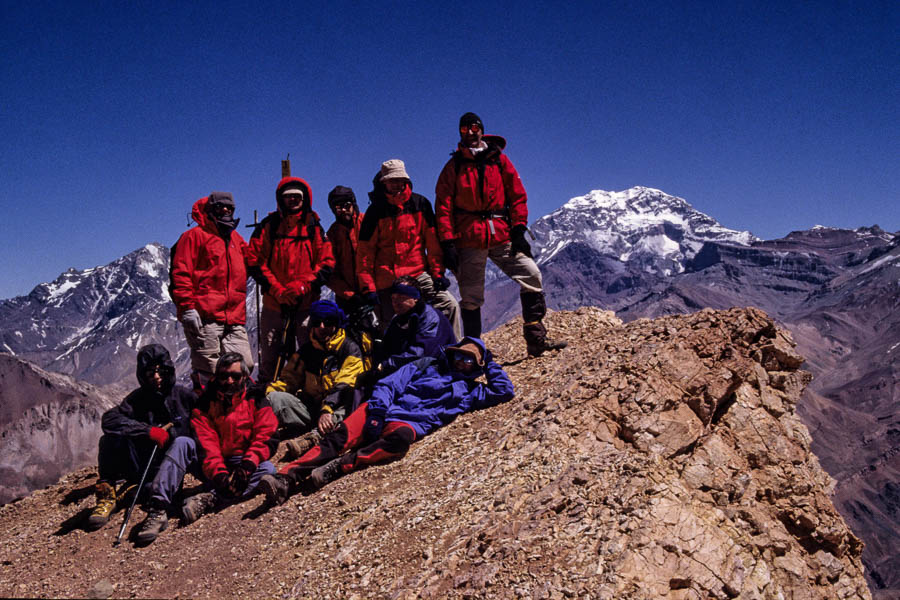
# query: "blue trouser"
125,457
182,458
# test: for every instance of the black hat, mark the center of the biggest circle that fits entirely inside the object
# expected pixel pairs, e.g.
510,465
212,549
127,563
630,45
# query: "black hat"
469,118
220,198
339,195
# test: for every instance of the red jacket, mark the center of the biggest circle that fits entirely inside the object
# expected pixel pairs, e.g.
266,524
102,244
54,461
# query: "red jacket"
479,198
245,428
289,251
209,273
344,243
396,241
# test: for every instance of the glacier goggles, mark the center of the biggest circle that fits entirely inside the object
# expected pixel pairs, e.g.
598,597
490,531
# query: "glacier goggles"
470,127
463,358
326,322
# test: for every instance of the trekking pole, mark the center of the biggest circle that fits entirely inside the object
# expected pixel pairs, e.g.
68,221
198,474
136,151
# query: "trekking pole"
258,316
138,491
288,330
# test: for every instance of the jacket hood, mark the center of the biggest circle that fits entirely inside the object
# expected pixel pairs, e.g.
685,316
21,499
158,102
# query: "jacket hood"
153,355
485,354
307,191
198,213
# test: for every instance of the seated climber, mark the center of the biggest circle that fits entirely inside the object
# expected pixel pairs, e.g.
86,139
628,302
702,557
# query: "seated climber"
317,386
417,399
152,415
235,427
417,330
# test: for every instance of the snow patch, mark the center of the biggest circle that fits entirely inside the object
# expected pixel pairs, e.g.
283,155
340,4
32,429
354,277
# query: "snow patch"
8,349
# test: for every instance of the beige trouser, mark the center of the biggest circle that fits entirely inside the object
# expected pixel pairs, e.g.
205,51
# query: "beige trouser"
443,301
470,275
214,340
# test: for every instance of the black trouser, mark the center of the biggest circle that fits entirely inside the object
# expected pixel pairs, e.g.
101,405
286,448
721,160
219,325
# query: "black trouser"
124,457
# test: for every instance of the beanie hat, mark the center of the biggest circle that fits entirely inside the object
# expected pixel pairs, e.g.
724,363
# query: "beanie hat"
393,169
221,199
410,291
326,310
469,118
339,195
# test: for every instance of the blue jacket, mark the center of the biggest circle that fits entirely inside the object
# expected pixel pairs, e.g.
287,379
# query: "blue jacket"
422,332
431,395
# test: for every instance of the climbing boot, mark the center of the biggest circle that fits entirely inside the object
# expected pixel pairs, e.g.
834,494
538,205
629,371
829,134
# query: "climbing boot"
196,506
156,522
106,502
326,473
301,445
471,320
534,308
276,488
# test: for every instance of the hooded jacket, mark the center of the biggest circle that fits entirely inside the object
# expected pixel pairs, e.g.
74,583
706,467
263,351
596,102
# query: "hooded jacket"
245,427
209,272
287,249
145,407
479,197
422,332
396,241
344,243
428,393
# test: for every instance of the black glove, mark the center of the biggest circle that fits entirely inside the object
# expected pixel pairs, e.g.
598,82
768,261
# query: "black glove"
373,427
440,283
372,298
368,378
240,478
518,242
322,278
451,256
220,482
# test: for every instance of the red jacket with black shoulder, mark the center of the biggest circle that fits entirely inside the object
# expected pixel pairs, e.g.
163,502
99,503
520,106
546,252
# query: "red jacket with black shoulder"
209,272
345,245
479,197
245,427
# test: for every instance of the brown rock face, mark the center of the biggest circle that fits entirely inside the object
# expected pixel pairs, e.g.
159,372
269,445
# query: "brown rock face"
658,459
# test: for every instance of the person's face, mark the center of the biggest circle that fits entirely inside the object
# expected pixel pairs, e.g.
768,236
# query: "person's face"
402,304
471,135
230,379
344,212
462,362
322,331
394,186
221,211
153,376
293,202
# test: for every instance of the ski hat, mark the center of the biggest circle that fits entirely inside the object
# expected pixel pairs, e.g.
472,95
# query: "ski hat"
220,199
393,169
339,195
410,291
469,118
326,310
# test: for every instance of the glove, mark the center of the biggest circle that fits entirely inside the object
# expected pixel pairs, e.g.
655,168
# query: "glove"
191,321
372,298
519,244
283,296
440,283
298,289
451,256
368,378
220,483
240,478
373,427
322,277
159,436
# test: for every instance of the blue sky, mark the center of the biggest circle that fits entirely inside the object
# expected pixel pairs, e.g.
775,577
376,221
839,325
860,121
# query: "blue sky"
116,116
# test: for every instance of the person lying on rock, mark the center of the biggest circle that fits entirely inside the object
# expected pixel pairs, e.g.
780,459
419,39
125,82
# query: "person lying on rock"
417,330
235,428
405,406
153,415
317,386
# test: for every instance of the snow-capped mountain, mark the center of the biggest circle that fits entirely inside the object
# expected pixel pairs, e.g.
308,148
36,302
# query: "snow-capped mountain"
90,323
638,226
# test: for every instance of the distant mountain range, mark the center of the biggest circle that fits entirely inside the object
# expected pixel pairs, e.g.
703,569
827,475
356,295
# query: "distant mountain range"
639,252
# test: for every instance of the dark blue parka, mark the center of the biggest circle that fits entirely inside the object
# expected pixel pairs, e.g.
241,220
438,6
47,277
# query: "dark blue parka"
422,332
145,407
431,397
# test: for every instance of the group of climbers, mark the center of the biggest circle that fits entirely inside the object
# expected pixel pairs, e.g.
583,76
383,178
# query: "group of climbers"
346,383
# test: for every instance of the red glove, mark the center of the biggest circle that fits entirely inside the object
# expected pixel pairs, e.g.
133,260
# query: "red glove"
283,295
298,288
160,436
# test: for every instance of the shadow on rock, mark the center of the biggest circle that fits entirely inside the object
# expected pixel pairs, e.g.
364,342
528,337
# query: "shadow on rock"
77,495
76,521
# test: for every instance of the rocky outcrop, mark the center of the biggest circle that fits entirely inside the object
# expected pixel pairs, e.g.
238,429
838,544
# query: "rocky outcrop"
49,426
657,459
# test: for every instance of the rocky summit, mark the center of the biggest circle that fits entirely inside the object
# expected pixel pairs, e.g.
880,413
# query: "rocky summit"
656,459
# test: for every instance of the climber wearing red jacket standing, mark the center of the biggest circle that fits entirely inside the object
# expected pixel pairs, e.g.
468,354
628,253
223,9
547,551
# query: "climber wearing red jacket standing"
209,286
291,260
481,209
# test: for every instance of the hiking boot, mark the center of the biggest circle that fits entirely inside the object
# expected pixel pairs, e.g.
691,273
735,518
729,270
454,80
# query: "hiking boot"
125,494
156,522
544,345
196,506
326,473
298,447
106,503
276,487
536,341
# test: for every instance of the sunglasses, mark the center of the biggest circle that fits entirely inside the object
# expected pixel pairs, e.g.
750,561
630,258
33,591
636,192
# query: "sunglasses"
466,359
329,322
472,127
222,209
229,376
